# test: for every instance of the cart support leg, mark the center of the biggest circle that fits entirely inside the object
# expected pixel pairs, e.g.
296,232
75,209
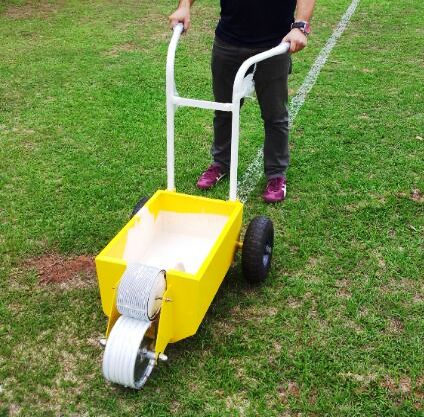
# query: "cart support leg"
170,143
235,131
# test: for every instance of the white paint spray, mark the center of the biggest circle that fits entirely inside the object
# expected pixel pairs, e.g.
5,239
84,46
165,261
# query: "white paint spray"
254,170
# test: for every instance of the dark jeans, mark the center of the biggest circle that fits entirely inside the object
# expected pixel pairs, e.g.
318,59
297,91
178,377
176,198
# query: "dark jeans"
272,92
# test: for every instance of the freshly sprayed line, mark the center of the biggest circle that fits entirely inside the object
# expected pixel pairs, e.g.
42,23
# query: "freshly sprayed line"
254,170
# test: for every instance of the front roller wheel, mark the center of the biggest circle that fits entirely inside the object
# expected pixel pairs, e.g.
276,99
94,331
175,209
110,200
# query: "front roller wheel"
257,249
127,358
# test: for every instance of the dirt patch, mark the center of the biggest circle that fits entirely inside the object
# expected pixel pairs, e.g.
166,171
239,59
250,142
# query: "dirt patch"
242,373
32,10
405,385
414,288
288,390
313,396
175,407
343,290
417,195
149,29
252,313
350,324
238,403
343,293
124,47
54,268
380,261
418,299
402,387
14,410
277,347
395,326
223,328
313,262
293,302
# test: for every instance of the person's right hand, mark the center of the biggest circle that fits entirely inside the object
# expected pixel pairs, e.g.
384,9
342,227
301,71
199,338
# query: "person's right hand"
297,39
182,14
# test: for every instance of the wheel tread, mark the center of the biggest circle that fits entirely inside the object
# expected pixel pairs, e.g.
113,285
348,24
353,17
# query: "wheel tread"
259,233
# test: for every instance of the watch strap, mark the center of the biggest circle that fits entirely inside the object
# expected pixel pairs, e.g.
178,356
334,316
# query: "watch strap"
303,26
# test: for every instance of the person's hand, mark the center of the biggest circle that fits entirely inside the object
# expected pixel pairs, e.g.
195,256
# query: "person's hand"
297,39
182,14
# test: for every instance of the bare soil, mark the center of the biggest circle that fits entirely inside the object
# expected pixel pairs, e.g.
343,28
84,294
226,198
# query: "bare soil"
32,10
55,268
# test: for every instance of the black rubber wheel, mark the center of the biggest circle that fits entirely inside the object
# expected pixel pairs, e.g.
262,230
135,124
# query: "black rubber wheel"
138,206
256,254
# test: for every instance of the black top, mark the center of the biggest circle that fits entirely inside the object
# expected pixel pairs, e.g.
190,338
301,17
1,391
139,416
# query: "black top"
255,23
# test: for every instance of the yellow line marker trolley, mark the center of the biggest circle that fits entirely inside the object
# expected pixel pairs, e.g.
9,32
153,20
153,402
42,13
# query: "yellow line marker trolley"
160,273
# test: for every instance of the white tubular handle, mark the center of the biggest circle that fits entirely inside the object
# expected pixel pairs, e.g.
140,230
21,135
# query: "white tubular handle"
170,107
172,101
237,96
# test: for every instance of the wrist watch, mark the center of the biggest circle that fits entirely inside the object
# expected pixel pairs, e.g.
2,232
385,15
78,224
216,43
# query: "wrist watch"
305,27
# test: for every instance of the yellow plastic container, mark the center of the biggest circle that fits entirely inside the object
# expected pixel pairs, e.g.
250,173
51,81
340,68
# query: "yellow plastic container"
189,293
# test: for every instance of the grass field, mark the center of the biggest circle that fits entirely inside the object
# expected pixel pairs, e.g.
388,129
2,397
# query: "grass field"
337,330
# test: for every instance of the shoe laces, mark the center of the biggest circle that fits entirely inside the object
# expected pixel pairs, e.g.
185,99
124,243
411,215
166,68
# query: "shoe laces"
275,184
213,172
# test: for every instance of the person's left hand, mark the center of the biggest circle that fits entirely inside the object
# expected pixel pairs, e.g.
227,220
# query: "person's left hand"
297,39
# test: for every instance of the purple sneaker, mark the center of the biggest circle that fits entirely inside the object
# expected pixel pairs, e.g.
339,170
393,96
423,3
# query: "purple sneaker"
275,190
211,176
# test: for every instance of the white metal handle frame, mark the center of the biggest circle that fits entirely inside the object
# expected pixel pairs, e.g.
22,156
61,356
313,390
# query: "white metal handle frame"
239,91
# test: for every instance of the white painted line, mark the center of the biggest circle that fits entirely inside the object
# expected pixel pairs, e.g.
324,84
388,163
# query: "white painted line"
254,170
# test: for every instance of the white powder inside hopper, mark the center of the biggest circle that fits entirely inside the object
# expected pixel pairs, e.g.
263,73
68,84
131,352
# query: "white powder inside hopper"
179,241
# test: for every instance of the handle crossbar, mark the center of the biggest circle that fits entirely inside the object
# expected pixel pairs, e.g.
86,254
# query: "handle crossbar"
202,104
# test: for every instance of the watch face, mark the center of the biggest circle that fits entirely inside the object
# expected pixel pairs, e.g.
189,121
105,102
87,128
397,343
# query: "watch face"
303,26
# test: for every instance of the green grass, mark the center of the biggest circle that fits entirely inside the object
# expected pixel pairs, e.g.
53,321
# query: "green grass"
338,329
